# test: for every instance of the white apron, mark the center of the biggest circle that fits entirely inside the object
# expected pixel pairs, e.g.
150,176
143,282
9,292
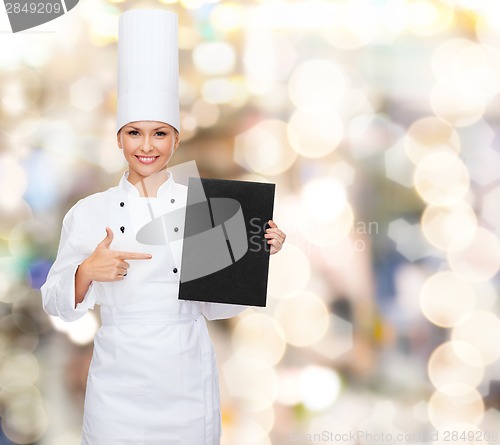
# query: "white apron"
153,377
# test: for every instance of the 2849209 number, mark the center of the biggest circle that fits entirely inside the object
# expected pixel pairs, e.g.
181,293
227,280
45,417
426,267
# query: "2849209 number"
33,8
470,436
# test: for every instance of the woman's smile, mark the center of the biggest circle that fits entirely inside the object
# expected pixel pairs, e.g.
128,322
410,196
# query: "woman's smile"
146,159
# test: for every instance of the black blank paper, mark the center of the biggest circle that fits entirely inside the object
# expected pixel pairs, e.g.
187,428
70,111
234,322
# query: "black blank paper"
225,257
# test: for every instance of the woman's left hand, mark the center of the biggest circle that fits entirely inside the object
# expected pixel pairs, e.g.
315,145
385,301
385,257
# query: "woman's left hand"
276,237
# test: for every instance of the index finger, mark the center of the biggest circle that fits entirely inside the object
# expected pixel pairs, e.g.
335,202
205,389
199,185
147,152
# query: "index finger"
133,255
272,223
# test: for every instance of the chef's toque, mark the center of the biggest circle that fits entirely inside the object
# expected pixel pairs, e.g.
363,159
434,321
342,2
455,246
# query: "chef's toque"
148,67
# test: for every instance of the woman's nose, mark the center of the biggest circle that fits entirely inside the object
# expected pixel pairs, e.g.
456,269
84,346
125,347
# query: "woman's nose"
147,145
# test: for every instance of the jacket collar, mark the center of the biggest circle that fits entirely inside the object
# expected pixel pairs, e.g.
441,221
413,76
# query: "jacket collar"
127,187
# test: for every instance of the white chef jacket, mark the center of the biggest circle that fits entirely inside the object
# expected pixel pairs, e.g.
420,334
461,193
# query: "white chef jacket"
153,378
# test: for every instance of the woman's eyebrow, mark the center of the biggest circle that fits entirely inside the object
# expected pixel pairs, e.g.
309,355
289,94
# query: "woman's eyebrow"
138,129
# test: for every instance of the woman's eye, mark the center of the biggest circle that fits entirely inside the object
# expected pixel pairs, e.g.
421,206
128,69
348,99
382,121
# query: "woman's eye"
133,132
161,133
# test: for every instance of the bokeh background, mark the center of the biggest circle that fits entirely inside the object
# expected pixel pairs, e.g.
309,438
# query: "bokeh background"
377,120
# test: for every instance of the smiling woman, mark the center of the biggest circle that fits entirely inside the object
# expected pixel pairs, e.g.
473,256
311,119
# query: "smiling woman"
148,147
153,378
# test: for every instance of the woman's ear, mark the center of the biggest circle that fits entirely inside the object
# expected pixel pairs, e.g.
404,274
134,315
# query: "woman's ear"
118,140
177,140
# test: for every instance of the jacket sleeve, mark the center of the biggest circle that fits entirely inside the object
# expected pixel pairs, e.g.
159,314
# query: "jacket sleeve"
216,311
58,291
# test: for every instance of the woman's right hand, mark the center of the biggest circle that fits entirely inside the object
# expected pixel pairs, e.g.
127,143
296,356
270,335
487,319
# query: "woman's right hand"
103,265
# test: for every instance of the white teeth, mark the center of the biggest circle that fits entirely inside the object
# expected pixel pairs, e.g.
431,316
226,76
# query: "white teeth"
146,159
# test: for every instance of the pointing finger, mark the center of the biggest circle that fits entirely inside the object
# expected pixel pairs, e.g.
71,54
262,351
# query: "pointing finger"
133,255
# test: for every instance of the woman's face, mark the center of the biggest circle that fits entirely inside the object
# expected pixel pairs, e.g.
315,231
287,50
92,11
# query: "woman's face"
147,147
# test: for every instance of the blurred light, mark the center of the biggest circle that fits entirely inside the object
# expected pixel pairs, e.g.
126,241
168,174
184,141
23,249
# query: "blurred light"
68,439
251,379
445,366
205,114
329,218
81,331
488,25
476,72
455,403
354,24
289,393
13,181
455,109
30,240
228,16
445,297
19,368
427,17
468,69
398,167
214,58
56,137
11,274
193,4
264,148
260,336
103,24
110,157
188,91
304,318
409,239
343,172
319,387
314,194
444,56
490,210
86,94
480,259
483,165
268,59
24,420
449,228
428,135
315,131
20,89
264,418
319,82
468,76
371,134
441,179
288,272
188,38
481,329
273,101
189,126
338,339
248,432
224,91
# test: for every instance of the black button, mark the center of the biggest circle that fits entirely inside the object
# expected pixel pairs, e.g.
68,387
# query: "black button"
174,270
176,229
122,204
122,229
172,200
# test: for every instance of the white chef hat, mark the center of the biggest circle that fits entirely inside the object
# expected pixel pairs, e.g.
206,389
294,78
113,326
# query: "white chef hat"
148,67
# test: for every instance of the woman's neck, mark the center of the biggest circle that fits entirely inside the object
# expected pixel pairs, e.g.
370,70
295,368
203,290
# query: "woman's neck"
148,185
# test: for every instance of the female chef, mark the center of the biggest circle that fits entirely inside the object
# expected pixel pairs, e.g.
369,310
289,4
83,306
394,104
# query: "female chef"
153,378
